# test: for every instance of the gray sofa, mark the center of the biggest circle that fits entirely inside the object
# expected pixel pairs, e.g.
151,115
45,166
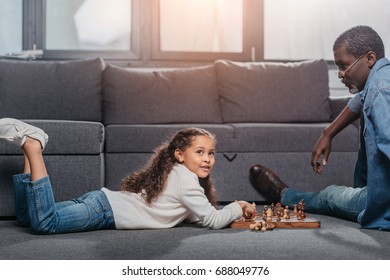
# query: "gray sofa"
261,112
104,121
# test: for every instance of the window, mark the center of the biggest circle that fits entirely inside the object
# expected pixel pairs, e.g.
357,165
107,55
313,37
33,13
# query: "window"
10,26
306,29
206,29
137,31
201,25
166,32
81,28
88,25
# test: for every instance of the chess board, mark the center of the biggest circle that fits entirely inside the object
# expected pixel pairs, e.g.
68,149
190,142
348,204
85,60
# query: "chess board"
293,222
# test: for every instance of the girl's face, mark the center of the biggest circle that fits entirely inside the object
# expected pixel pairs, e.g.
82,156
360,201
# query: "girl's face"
199,157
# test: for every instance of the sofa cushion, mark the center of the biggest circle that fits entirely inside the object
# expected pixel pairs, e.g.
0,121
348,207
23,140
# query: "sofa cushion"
65,138
69,90
295,137
146,138
158,97
273,92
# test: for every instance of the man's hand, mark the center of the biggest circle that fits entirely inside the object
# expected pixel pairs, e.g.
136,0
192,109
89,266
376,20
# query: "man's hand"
321,148
324,143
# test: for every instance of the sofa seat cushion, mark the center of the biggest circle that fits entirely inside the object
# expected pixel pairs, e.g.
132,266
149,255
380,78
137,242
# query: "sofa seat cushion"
232,137
279,138
160,97
232,180
273,92
70,90
65,138
146,138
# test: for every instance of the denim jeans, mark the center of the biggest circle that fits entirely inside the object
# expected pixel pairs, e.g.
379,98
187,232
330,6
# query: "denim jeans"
35,206
339,201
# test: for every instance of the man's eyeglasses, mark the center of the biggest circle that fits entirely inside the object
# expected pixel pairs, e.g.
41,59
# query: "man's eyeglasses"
341,74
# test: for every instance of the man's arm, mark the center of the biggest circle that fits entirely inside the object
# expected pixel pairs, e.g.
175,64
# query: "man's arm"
324,143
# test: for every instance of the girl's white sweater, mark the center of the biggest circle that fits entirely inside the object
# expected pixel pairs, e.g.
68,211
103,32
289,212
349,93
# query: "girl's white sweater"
182,200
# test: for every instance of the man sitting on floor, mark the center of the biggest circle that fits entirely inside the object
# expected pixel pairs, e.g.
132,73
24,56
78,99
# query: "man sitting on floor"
363,68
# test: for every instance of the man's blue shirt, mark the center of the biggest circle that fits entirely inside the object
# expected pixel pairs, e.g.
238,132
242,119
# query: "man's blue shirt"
375,99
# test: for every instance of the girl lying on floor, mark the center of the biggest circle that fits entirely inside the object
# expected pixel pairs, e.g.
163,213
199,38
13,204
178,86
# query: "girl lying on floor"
174,187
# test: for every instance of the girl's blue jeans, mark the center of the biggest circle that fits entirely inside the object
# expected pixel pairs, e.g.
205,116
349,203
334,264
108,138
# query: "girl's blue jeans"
35,207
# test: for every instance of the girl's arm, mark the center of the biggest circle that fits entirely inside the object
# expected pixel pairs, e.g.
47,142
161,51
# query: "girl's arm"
193,197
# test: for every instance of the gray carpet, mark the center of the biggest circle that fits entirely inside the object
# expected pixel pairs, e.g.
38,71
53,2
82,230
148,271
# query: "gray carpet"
336,239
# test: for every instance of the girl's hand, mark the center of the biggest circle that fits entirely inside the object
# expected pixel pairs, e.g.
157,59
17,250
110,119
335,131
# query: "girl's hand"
248,210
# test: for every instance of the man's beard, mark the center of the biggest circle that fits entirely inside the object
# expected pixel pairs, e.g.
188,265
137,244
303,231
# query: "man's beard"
353,89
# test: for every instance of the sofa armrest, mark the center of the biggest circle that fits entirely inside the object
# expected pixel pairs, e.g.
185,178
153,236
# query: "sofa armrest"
337,104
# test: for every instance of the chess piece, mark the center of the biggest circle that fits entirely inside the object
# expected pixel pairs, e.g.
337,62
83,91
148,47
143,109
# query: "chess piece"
265,212
303,209
255,226
286,213
299,215
269,212
270,226
295,211
301,205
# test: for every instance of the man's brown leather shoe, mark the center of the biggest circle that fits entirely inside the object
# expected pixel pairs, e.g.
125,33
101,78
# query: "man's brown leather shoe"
266,182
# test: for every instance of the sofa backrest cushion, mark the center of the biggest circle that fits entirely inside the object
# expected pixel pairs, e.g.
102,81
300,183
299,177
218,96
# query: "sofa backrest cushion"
273,92
139,96
60,90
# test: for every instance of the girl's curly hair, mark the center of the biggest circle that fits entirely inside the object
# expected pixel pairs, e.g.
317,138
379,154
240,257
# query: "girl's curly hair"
151,179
